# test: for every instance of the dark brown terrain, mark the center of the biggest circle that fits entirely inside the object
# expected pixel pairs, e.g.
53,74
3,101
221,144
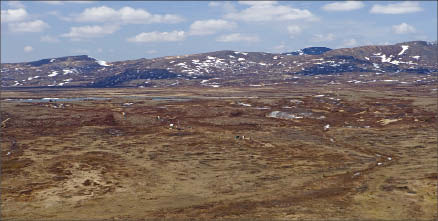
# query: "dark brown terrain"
311,147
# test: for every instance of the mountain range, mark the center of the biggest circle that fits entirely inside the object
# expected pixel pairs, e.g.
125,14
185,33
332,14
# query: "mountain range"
222,68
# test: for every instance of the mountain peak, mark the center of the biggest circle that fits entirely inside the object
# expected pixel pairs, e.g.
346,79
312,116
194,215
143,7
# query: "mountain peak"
309,51
60,59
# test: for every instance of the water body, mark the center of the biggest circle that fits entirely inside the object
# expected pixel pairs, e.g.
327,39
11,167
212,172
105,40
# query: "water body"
55,99
170,99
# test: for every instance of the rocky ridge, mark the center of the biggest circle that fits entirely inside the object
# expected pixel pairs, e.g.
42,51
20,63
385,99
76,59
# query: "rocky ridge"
220,68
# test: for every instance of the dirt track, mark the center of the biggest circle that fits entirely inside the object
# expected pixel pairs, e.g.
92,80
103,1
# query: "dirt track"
218,155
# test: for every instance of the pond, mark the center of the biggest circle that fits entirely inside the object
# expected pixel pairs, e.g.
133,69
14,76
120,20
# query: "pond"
55,99
170,99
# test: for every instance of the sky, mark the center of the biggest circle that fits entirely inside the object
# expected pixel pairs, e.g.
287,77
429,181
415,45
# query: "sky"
126,30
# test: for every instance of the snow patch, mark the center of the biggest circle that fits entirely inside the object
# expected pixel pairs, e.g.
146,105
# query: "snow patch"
404,48
238,52
244,104
67,71
384,59
102,63
53,74
395,62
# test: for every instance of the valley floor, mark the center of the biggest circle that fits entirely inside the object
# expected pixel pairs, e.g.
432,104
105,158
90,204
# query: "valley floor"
286,152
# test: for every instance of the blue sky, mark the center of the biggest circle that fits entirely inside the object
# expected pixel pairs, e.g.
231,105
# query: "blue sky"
123,30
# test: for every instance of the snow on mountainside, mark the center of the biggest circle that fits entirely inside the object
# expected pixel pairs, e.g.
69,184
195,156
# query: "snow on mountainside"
233,67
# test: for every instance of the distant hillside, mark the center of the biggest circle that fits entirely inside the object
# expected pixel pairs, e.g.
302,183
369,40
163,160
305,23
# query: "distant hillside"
229,67
309,51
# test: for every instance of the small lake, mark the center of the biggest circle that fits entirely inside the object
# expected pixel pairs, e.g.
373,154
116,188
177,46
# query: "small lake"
59,99
170,99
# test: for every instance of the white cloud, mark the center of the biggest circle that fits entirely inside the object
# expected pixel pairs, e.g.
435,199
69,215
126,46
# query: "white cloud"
98,14
51,2
208,27
294,30
77,33
226,6
214,4
15,4
237,37
158,37
397,8
257,2
261,11
403,28
125,15
49,39
343,6
31,26
323,38
82,2
28,49
60,16
62,2
13,15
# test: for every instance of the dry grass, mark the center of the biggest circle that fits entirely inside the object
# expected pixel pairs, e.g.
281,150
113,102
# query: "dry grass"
88,160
